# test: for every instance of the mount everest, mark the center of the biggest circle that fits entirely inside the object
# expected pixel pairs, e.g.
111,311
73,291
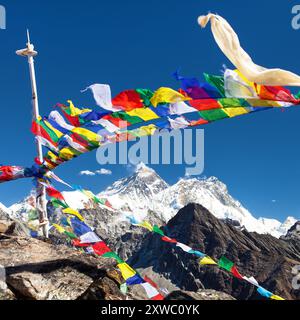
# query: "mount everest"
145,195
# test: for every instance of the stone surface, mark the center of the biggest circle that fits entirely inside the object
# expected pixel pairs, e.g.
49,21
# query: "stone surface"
199,295
39,270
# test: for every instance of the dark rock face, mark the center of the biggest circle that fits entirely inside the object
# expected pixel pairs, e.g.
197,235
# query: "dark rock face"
39,270
293,233
268,259
103,289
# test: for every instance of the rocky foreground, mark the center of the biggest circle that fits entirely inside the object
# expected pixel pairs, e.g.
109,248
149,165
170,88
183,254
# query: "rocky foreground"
41,270
38,270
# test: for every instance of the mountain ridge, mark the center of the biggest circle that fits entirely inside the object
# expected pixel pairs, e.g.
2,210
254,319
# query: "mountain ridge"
165,201
145,195
268,259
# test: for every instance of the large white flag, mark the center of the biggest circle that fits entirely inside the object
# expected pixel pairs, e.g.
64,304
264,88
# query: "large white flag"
102,96
229,43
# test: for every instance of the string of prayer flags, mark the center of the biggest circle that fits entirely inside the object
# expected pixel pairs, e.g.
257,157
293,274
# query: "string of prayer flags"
220,97
223,262
85,238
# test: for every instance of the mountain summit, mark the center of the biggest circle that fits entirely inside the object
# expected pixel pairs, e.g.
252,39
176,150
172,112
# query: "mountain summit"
145,192
145,195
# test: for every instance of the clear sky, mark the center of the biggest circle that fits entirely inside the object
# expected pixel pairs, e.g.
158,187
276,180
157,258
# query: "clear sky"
130,44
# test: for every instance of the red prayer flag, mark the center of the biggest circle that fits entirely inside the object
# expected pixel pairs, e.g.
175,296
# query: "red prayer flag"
158,297
77,243
236,273
128,100
276,93
100,248
53,193
205,104
198,122
167,239
117,121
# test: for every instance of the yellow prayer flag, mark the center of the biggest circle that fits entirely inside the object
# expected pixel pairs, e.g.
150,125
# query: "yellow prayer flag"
263,103
126,270
207,260
58,228
167,95
233,112
76,111
274,297
90,135
67,154
73,213
249,83
52,156
144,113
147,225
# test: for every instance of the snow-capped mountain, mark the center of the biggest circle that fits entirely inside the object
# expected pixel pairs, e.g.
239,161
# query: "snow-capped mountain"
21,209
145,192
145,195
136,194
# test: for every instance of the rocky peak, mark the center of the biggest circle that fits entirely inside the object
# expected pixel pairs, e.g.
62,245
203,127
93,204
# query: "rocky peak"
144,181
266,258
293,232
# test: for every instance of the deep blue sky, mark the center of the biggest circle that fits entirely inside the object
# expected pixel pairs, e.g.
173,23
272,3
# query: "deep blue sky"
132,44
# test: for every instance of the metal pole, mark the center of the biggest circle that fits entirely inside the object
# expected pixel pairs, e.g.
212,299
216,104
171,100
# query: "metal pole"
29,52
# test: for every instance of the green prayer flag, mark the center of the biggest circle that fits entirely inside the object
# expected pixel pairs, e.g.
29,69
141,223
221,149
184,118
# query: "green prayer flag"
217,82
112,255
98,200
225,263
50,132
126,117
233,102
156,229
70,234
213,115
58,203
145,95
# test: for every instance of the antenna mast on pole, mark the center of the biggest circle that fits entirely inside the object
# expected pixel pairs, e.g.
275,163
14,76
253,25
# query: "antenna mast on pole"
29,52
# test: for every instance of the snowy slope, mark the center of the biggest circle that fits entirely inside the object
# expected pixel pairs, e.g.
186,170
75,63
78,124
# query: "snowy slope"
145,193
135,194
